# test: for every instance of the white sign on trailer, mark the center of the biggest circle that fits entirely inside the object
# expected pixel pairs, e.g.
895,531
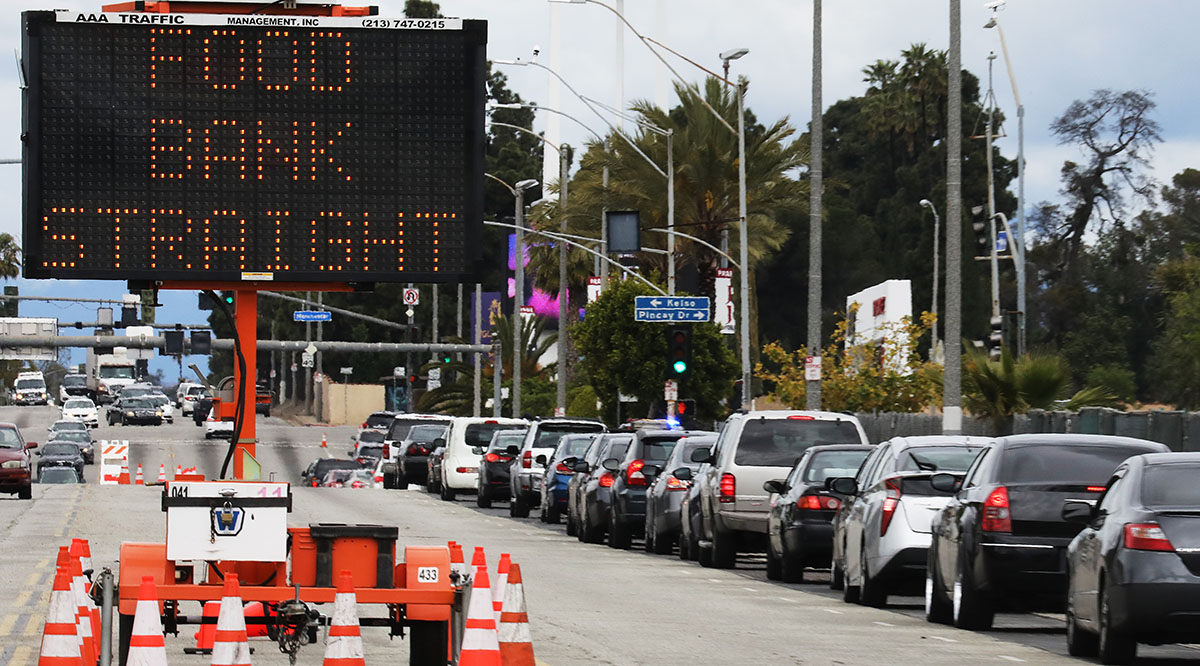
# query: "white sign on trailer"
220,520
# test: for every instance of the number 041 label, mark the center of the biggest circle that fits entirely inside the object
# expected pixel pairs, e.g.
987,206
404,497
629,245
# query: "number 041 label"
427,574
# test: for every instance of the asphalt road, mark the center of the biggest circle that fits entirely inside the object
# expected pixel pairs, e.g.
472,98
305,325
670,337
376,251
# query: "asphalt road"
588,604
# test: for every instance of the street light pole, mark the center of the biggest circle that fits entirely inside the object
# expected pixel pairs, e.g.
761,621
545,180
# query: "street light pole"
562,285
744,242
952,381
812,389
933,340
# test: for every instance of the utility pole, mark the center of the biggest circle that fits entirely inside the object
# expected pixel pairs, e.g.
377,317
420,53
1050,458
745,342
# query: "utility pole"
434,327
812,389
952,381
991,192
561,371
477,408
408,362
308,378
518,300
320,390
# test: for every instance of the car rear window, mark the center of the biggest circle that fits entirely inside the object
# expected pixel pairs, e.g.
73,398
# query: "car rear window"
400,427
550,433
616,450
937,458
426,433
834,464
502,442
324,466
370,436
60,450
781,442
1063,463
379,420
658,449
479,435
370,451
1172,486
573,446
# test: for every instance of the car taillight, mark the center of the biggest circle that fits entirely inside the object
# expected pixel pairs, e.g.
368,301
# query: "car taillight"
889,505
676,484
314,483
1096,489
527,459
466,470
360,460
606,480
996,514
492,458
728,489
1147,536
817,503
357,484
364,426
562,468
634,475
387,450
800,417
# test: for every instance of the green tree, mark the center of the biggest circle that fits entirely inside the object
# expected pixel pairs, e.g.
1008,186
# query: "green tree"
1176,360
10,257
623,356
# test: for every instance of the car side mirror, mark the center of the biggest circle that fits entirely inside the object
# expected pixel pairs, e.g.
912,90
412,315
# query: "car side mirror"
541,460
683,474
570,462
1074,511
946,482
440,441
612,464
513,450
477,450
776,486
304,474
581,467
701,455
651,470
844,485
350,452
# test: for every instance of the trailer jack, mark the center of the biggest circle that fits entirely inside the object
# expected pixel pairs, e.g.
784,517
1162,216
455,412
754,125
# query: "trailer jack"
295,626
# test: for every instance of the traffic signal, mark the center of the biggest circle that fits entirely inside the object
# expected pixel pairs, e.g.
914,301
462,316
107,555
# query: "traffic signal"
10,306
202,342
685,409
414,333
173,345
983,235
679,351
227,297
204,301
996,338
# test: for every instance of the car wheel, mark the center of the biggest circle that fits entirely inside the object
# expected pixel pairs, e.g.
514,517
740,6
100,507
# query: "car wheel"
724,553
517,508
791,566
937,607
685,553
619,534
648,530
693,544
482,500
572,530
589,533
447,493
774,567
401,481
837,576
662,542
26,492
1115,646
1080,643
870,592
849,592
551,515
970,609
704,556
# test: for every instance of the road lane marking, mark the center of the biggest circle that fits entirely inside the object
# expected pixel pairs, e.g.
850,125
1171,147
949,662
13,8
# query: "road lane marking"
23,598
1004,656
943,638
43,564
34,626
33,579
884,624
714,580
830,610
7,624
750,589
788,599
20,656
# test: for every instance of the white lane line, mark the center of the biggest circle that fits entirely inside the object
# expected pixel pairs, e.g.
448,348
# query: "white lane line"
884,624
830,610
943,638
750,589
1004,656
682,571
714,580
788,599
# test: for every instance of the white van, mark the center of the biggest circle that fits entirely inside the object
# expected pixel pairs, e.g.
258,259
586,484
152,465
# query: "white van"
466,442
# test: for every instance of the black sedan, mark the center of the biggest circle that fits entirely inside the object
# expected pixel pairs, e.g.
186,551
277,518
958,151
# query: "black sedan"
1134,570
60,454
80,438
665,496
413,457
493,472
1001,539
800,523
129,411
317,469
595,505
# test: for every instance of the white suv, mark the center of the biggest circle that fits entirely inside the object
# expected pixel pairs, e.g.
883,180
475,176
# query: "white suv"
466,443
881,534
526,473
753,448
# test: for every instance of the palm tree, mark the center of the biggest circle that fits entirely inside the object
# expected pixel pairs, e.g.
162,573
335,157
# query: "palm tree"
10,257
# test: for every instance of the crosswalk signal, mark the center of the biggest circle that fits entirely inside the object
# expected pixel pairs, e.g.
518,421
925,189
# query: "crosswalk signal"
996,339
679,352
983,236
685,409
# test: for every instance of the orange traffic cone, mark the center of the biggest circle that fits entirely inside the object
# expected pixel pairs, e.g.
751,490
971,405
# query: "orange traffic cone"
230,646
516,645
478,559
501,582
139,480
178,470
456,562
480,642
60,643
324,443
88,649
162,473
146,646
207,632
343,646
81,549
123,479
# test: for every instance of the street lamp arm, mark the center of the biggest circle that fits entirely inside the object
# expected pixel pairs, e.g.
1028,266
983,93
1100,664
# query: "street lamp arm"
1019,255
537,107
580,246
530,132
641,122
693,63
510,187
1012,78
705,243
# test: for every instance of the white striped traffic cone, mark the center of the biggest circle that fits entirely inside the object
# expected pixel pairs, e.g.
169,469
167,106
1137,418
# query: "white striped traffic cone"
178,470
88,651
139,480
230,646
344,646
498,587
146,645
480,642
516,645
60,642
456,561
123,479
162,473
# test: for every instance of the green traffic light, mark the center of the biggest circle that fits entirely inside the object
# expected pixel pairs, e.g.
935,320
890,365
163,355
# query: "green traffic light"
229,299
680,367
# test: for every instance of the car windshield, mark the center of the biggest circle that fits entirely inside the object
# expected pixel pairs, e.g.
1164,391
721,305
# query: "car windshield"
370,436
78,404
10,439
572,447
136,403
828,464
68,425
53,449
157,399
479,435
57,475
400,426
501,442
74,381
197,390
936,459
72,436
116,372
30,384
779,442
134,392
1062,463
658,449
426,433
550,433
338,475
1171,486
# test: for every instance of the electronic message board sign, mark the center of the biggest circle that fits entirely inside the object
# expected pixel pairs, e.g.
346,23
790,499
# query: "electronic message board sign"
252,147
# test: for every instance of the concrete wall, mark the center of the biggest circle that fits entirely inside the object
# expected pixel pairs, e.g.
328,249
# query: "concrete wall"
350,404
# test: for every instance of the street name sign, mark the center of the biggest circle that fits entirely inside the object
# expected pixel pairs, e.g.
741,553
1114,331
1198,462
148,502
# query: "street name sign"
312,315
671,308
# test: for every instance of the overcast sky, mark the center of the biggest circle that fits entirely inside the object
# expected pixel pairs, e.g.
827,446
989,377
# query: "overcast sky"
1061,51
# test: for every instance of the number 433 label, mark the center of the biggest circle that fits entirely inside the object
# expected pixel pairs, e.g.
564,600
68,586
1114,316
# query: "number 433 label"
427,574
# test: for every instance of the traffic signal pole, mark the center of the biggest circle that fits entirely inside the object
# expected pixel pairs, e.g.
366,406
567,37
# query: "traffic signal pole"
245,317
